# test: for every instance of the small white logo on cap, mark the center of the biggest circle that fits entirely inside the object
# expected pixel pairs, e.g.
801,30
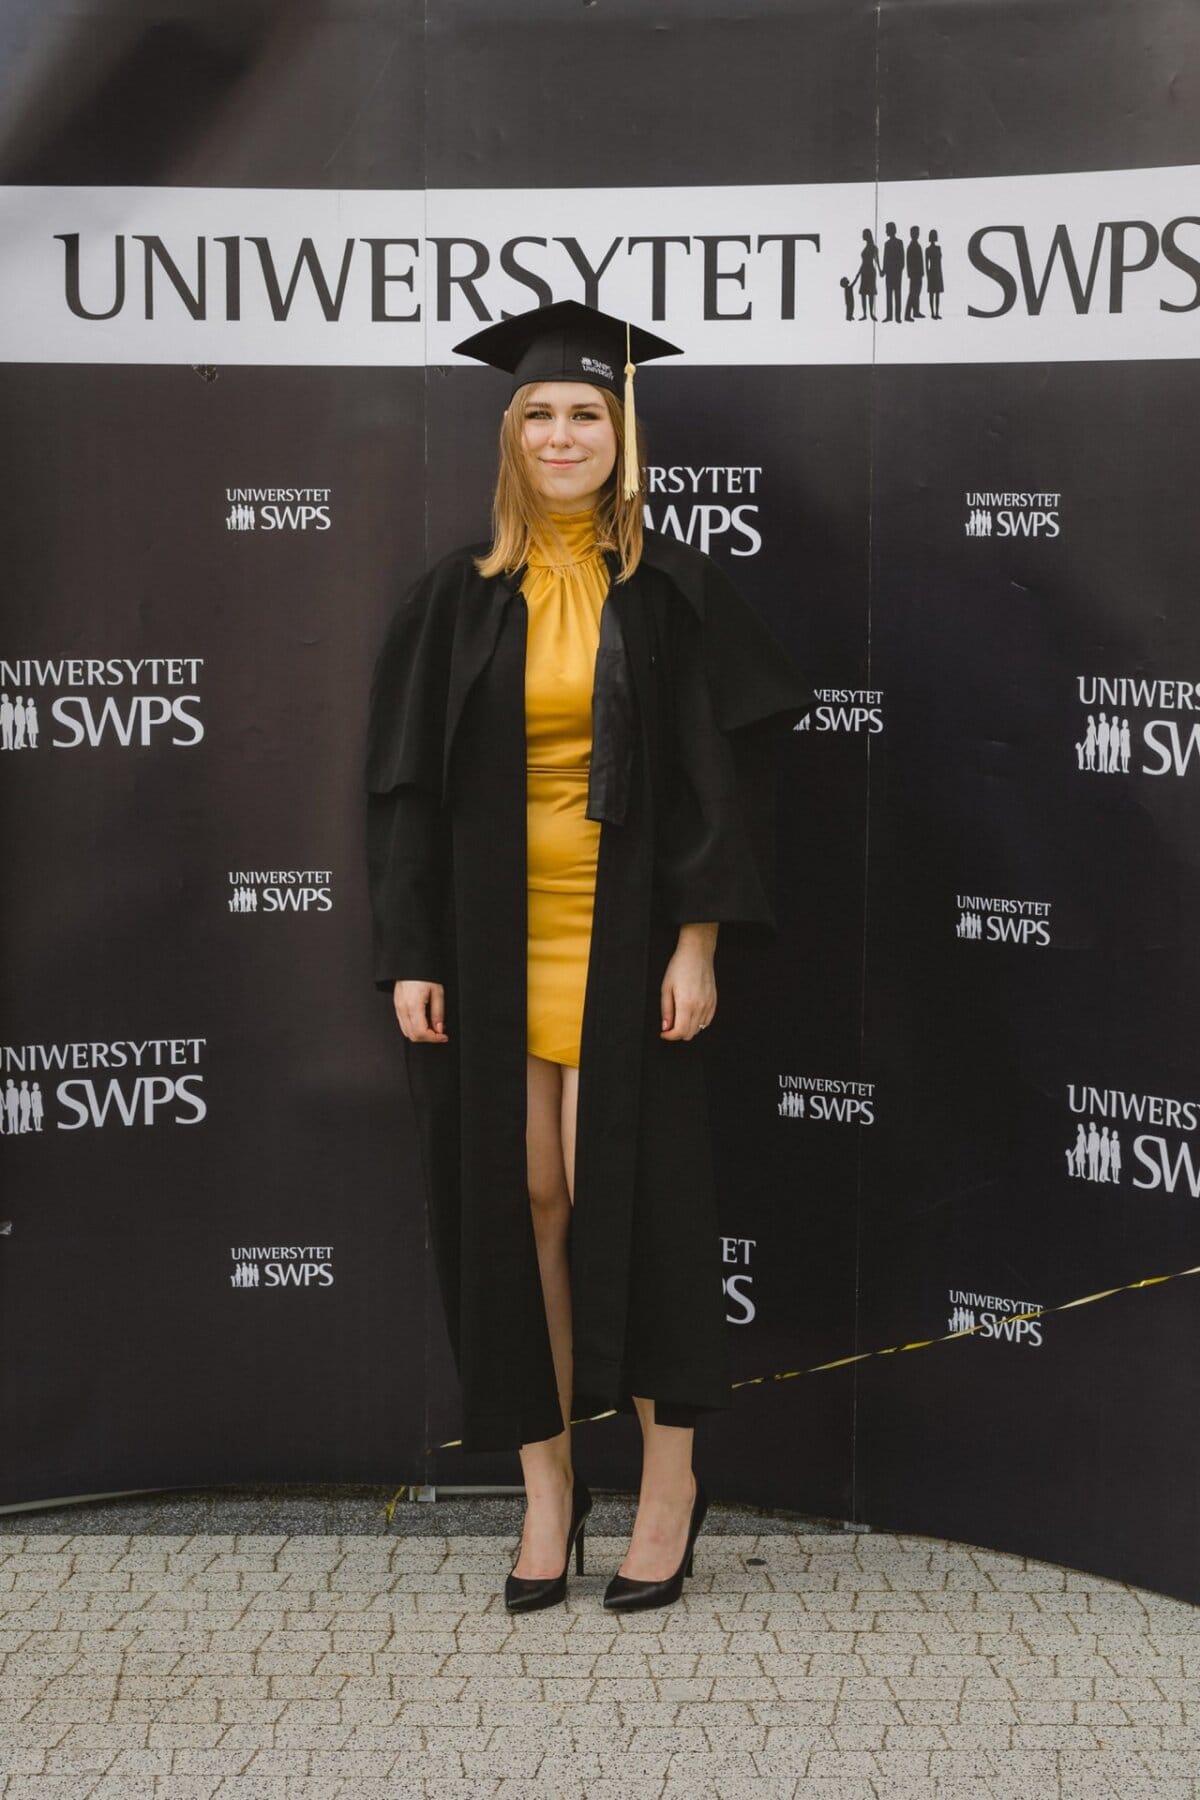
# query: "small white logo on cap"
594,367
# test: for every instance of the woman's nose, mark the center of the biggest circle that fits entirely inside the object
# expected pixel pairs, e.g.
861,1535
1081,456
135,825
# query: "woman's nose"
560,431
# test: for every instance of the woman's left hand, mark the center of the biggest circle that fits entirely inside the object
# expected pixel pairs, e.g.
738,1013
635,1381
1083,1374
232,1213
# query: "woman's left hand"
689,987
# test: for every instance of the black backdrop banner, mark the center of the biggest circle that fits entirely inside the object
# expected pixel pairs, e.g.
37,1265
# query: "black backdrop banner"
937,273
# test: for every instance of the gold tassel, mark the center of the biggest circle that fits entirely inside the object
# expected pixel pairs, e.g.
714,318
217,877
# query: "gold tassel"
633,479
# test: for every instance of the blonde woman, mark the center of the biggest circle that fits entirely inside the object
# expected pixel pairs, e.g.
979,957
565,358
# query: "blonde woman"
569,760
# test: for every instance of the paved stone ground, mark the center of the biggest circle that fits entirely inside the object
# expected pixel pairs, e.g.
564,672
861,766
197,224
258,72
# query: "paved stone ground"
801,1662
346,1510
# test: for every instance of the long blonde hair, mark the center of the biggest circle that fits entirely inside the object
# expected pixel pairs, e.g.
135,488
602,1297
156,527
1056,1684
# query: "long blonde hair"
517,507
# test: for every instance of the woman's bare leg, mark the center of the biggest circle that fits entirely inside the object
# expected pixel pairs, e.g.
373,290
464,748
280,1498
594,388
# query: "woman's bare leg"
570,1103
546,1465
665,1500
668,1486
550,1195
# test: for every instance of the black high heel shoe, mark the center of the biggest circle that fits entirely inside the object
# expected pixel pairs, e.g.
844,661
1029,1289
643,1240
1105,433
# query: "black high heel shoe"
528,1593
624,1594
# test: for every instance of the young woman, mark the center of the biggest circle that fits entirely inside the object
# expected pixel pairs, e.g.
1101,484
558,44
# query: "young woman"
569,761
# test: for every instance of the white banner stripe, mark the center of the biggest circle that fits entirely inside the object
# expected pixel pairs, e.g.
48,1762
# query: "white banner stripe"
1073,267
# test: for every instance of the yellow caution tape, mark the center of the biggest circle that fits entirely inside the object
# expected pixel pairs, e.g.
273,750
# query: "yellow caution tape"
842,1362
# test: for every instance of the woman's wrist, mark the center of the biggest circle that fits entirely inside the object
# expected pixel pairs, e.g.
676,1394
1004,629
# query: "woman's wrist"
699,937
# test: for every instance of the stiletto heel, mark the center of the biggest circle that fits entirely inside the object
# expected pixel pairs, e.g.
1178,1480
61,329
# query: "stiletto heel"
524,1593
625,1594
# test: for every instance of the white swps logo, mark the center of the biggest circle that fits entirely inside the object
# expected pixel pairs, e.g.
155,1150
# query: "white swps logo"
281,1266
1012,515
819,1098
845,709
153,1082
739,1287
60,702
1108,1146
997,920
712,506
996,1317
280,890
277,509
1110,742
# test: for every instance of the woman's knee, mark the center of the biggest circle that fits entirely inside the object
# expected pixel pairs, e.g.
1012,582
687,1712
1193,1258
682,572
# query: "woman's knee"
549,1198
549,1195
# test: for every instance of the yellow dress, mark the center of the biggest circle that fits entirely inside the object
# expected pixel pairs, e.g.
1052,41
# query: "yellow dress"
563,601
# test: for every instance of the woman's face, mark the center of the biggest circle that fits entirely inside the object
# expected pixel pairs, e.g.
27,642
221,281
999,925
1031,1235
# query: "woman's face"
570,443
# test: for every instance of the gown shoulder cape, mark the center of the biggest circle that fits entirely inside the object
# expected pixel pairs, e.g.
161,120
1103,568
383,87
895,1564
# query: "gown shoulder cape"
691,691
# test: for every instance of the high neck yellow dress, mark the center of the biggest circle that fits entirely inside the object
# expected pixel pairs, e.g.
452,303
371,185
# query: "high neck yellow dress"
563,599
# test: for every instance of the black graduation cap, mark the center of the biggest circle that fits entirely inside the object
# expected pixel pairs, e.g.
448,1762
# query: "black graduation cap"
568,341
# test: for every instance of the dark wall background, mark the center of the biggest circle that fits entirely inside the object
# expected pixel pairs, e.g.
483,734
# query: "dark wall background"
129,1357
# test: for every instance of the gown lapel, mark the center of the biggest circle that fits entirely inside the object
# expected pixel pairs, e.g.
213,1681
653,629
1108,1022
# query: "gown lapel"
481,611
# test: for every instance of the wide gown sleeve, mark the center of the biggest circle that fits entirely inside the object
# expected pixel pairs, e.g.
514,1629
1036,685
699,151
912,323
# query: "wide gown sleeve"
734,694
404,876
405,835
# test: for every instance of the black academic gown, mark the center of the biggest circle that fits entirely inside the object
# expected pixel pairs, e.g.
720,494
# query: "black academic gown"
690,691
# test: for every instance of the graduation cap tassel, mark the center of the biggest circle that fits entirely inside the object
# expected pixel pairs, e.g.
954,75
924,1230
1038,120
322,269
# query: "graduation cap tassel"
632,481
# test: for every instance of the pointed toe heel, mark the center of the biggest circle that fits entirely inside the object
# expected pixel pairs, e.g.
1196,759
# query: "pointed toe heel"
625,1594
530,1593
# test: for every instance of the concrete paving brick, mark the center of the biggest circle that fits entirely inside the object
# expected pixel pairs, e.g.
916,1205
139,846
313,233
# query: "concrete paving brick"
165,1787
976,1734
303,1667
360,1765
270,1763
245,1787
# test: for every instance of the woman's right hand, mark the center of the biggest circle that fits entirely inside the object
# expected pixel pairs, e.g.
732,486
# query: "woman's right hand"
421,1011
